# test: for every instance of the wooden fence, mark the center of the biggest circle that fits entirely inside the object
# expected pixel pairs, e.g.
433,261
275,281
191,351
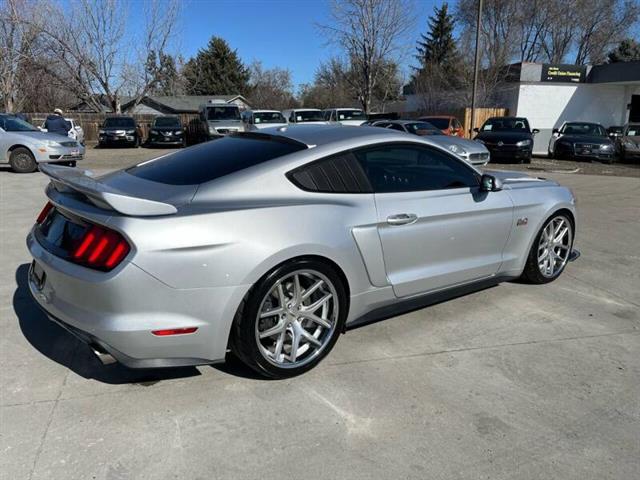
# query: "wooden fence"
464,116
91,123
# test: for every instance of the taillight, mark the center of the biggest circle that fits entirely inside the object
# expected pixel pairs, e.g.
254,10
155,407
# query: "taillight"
43,214
100,248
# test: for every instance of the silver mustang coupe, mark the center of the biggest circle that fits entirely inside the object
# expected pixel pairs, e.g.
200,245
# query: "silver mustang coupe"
271,243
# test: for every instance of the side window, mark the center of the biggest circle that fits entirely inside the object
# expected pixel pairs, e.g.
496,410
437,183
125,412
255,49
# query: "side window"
339,173
407,168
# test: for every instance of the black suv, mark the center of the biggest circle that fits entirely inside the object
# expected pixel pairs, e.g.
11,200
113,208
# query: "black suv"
167,131
121,131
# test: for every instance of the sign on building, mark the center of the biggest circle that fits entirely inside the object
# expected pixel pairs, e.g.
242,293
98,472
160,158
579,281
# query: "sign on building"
563,73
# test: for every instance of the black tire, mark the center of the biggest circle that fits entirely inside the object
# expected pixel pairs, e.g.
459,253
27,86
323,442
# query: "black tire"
22,160
532,273
243,341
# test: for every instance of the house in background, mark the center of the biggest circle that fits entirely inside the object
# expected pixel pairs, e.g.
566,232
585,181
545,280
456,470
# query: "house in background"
164,105
159,105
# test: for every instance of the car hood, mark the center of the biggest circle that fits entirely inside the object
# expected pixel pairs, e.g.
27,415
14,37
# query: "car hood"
519,179
586,139
506,137
113,129
39,136
470,146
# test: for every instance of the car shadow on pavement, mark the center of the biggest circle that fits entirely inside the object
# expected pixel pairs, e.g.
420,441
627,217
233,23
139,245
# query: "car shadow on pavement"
64,348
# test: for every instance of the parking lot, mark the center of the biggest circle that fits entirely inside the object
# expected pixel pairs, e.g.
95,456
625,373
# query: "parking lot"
516,381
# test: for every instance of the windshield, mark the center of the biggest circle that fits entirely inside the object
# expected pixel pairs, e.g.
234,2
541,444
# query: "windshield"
268,117
441,123
223,113
422,129
633,131
14,124
121,122
166,122
351,115
506,125
308,116
584,129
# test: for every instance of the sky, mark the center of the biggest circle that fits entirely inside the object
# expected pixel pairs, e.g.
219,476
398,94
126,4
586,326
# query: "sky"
280,33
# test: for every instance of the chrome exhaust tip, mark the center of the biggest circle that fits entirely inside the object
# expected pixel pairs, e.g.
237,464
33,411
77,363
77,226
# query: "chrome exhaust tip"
105,357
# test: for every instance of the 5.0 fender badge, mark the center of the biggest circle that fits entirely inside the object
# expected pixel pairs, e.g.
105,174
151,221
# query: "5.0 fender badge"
522,221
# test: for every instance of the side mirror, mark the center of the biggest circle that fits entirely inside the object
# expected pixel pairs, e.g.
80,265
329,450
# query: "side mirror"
489,183
477,130
535,130
555,131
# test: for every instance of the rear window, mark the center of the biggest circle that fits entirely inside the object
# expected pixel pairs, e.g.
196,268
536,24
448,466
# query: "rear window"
214,159
441,123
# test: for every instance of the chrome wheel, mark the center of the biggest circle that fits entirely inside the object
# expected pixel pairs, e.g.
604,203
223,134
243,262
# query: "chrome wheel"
297,318
554,246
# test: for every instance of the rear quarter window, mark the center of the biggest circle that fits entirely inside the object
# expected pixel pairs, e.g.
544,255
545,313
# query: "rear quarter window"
214,159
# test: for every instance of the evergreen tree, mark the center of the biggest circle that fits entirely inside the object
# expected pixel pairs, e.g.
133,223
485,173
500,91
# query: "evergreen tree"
627,51
438,47
216,70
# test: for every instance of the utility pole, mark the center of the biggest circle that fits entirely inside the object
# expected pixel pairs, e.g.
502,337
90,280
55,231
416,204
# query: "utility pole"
476,66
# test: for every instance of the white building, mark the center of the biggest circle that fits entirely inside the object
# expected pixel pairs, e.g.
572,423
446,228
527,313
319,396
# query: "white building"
549,95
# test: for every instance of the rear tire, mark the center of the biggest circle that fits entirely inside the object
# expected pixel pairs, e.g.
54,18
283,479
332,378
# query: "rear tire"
266,342
550,251
22,161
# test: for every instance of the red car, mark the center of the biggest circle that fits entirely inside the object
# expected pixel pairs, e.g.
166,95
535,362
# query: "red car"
448,125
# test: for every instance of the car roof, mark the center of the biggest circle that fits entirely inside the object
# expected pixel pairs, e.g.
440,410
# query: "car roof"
317,135
582,123
264,111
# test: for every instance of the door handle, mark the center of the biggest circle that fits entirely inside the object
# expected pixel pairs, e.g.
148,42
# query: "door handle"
402,219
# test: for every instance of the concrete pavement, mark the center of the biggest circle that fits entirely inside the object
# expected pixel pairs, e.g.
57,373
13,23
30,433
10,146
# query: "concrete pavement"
516,381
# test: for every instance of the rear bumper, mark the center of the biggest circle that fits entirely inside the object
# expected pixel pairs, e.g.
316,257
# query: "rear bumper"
118,310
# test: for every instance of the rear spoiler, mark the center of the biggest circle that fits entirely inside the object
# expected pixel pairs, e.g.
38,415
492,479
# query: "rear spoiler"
65,179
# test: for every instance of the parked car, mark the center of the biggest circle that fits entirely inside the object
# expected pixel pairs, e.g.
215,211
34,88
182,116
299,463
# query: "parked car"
448,125
23,146
507,138
76,132
345,116
220,118
629,143
167,130
470,151
119,131
615,131
175,260
581,141
304,115
259,119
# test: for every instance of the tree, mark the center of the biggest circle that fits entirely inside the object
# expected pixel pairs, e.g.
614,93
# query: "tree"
93,54
627,51
438,46
20,43
216,70
270,87
370,33
170,79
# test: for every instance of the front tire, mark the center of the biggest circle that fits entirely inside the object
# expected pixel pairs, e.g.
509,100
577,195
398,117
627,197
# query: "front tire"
550,251
22,160
291,319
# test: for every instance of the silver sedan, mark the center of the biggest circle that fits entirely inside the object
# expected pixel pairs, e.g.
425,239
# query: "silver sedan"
270,244
473,152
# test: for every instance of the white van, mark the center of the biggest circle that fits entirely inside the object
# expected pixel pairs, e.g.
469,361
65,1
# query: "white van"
345,116
304,115
259,119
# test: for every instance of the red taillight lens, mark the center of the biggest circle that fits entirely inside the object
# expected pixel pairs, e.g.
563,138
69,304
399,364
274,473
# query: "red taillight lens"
43,214
100,248
174,331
